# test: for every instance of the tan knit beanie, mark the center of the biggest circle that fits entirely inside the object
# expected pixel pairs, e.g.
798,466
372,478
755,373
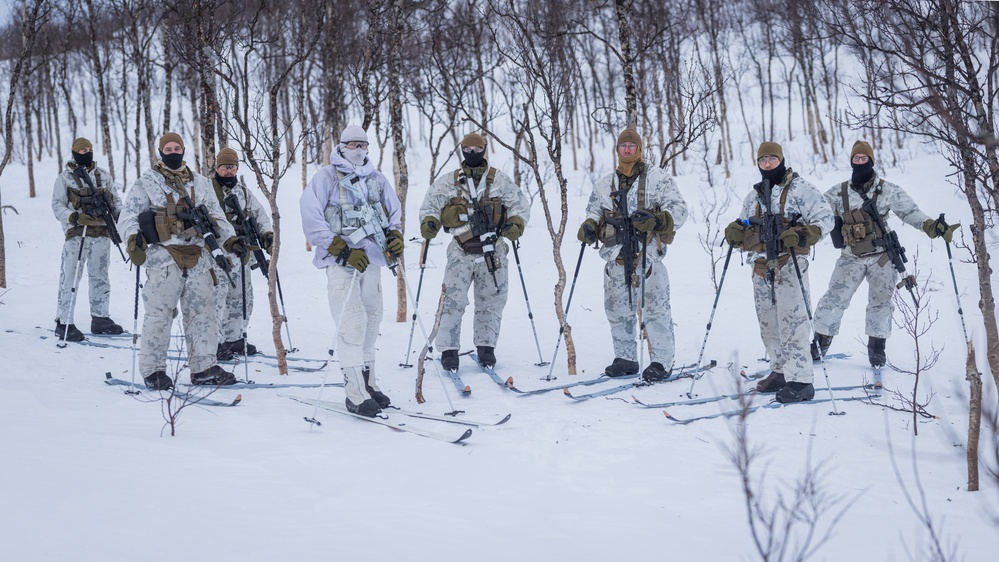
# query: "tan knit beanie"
770,148
81,144
171,137
473,139
861,147
227,157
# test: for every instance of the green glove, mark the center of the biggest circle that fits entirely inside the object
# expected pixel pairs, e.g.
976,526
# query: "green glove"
354,257
800,237
136,249
266,241
238,245
452,213
395,243
587,232
644,221
83,219
429,227
936,227
513,228
735,233
665,221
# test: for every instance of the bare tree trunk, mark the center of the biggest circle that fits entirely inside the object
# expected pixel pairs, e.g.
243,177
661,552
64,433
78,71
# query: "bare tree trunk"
167,89
974,379
399,146
102,95
623,11
28,145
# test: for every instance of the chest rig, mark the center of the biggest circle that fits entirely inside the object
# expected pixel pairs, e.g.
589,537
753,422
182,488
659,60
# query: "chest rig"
364,218
857,228
610,228
753,241
78,198
469,237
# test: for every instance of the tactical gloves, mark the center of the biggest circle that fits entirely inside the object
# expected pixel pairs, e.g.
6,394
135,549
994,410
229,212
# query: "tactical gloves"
648,220
238,245
937,227
77,218
136,249
800,237
512,228
735,233
395,243
587,232
429,227
354,257
266,241
452,213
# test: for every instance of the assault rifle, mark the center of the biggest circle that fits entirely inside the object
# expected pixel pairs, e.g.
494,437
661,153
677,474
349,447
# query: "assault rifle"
374,224
248,229
770,226
103,208
627,237
481,225
889,241
198,218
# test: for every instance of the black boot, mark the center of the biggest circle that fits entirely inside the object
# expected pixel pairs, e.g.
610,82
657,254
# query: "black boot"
820,345
486,355
73,335
795,392
621,367
236,348
223,353
369,408
158,381
449,360
773,382
102,325
377,395
876,351
655,372
213,376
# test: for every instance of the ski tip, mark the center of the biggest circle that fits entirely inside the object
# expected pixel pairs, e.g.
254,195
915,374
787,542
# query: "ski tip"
504,420
239,398
107,376
466,391
466,435
566,392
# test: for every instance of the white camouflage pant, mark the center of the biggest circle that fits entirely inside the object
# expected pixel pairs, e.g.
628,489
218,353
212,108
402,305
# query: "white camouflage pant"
360,299
229,303
96,259
623,317
465,270
165,287
784,327
850,271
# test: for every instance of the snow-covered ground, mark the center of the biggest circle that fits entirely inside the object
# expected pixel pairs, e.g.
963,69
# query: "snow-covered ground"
87,473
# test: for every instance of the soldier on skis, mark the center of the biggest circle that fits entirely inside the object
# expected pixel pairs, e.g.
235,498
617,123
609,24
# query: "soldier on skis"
479,206
173,224
88,243
352,215
637,207
230,305
784,213
864,256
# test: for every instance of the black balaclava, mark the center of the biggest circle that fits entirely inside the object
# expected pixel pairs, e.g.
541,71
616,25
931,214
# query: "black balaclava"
172,161
776,175
473,159
229,182
84,160
862,173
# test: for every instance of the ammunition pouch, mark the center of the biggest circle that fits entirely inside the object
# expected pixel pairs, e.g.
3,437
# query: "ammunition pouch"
167,223
469,243
859,232
752,242
760,265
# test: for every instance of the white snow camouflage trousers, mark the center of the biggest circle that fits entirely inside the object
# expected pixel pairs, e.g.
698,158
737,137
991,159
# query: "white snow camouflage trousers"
623,317
166,287
96,259
229,303
470,270
850,271
360,300
784,327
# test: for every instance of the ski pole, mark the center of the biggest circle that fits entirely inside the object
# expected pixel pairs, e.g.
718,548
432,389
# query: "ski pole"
77,277
336,335
711,318
953,278
565,314
416,303
641,305
284,313
530,314
811,330
246,354
135,329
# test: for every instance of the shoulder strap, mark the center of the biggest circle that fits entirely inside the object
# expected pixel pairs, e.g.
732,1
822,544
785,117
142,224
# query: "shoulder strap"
844,192
783,195
641,187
